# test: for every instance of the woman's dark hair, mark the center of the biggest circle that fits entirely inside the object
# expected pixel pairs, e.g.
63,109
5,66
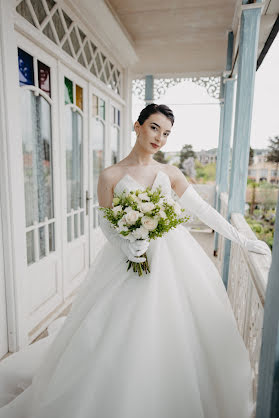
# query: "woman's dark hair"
155,108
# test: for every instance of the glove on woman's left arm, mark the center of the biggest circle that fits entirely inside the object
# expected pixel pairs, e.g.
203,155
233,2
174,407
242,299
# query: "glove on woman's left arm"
191,200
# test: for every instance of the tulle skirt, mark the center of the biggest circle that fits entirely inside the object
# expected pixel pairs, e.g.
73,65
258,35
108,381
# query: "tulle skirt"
162,345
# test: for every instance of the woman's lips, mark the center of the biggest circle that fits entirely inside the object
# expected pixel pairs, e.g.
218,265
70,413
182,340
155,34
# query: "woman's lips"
154,145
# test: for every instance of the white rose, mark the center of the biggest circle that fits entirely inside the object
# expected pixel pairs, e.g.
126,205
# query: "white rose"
116,209
131,217
146,206
128,209
149,223
121,226
140,233
162,214
144,196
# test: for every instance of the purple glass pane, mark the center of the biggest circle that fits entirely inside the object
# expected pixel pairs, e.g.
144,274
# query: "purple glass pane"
25,68
44,77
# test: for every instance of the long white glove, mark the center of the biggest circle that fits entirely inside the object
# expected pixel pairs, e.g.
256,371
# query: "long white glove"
206,213
133,250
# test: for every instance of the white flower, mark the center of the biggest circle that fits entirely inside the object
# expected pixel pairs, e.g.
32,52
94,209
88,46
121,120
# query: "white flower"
162,214
169,201
121,226
128,209
140,233
146,207
177,208
144,196
149,223
131,217
116,209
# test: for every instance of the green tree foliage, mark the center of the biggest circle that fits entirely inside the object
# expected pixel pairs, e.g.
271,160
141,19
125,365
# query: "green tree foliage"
160,157
186,152
251,156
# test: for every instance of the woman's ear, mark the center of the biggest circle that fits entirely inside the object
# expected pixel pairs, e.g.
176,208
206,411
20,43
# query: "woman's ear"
136,127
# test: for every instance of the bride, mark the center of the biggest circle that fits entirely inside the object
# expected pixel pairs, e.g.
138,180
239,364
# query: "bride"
163,345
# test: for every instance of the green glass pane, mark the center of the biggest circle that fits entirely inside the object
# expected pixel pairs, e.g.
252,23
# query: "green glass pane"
68,91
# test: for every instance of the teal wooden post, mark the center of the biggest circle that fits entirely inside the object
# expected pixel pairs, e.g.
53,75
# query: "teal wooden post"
268,383
248,44
149,89
225,147
218,163
222,168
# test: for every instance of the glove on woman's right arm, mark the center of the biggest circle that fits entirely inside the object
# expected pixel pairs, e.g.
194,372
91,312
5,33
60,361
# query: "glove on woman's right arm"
131,249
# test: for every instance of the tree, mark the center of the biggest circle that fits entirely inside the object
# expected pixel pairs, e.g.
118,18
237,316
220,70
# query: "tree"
273,154
186,152
251,156
160,157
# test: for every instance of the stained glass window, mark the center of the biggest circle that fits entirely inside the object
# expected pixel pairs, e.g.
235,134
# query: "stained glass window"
79,97
25,68
44,77
68,88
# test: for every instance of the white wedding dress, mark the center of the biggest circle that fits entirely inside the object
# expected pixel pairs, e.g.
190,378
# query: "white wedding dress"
164,345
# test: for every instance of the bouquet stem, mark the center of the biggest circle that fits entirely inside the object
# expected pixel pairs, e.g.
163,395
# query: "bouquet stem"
139,267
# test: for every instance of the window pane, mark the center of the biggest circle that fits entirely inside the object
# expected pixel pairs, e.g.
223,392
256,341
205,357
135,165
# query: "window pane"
30,247
102,109
68,91
51,232
42,242
115,139
97,144
79,101
25,68
94,105
44,77
74,158
69,229
37,157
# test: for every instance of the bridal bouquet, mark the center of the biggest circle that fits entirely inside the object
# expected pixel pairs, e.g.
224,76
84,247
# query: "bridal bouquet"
143,214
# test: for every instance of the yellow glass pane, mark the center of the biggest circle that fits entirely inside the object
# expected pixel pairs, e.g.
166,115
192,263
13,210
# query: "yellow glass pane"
79,98
95,105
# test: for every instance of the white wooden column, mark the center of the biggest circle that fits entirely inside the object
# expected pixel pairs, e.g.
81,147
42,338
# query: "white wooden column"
11,181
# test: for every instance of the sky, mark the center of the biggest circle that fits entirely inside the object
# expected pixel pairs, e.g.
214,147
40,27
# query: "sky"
197,114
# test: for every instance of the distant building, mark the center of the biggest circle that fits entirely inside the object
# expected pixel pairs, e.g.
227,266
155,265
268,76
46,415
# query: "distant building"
207,156
263,170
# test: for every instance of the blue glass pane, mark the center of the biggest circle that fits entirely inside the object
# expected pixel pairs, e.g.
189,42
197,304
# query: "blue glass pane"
25,68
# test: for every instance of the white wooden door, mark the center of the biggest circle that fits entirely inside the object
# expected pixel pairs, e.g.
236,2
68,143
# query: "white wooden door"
3,314
97,152
74,172
38,97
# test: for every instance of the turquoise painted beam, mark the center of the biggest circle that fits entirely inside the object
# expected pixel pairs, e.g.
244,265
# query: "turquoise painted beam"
226,112
149,89
225,146
248,44
268,383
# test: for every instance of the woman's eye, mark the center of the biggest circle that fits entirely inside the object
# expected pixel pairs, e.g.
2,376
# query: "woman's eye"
153,127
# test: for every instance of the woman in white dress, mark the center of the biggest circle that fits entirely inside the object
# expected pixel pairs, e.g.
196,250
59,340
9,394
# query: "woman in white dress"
163,345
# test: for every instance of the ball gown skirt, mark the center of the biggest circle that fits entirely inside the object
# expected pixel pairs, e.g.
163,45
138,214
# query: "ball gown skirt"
164,345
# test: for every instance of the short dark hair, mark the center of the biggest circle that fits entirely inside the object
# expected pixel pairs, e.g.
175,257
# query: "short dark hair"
155,108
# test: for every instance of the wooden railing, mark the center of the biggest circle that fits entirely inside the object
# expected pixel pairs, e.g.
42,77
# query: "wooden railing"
248,275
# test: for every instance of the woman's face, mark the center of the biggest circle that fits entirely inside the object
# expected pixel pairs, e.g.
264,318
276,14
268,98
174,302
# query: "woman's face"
154,131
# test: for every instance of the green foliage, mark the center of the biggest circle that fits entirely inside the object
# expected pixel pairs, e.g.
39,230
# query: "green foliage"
186,152
205,173
273,154
262,223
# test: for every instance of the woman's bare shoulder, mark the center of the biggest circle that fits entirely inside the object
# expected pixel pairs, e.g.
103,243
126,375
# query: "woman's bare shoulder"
110,175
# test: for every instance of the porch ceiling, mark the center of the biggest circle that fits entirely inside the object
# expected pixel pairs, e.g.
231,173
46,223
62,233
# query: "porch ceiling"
183,37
